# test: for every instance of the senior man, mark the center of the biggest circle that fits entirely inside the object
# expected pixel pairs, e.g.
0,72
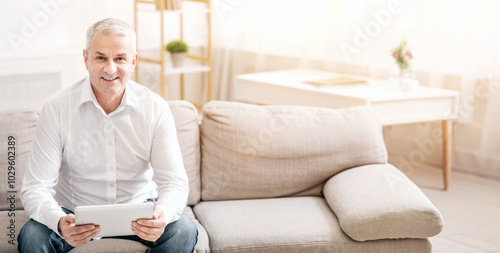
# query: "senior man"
105,140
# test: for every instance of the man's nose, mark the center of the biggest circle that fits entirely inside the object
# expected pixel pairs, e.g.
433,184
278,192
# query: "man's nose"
110,67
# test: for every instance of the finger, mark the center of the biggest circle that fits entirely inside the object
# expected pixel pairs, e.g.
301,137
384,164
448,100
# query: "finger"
145,229
66,221
144,234
68,217
71,218
85,237
157,213
149,223
84,234
70,224
157,221
148,233
139,231
79,229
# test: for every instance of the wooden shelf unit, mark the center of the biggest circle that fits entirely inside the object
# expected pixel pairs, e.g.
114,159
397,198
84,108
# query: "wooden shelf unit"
207,59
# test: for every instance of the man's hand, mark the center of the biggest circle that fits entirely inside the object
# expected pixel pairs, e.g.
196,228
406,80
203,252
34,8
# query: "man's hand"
76,235
150,229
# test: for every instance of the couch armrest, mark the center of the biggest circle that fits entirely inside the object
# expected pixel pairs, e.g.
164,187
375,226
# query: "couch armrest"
378,201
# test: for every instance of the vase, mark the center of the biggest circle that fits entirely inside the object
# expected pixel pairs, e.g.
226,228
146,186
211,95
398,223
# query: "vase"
178,59
407,80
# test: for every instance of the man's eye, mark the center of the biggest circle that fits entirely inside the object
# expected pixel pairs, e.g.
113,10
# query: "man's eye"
100,58
120,59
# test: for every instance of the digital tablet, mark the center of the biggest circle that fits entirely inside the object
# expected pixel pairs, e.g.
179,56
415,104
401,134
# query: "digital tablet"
115,220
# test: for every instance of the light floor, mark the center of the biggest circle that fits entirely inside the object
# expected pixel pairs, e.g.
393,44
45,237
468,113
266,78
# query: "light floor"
470,209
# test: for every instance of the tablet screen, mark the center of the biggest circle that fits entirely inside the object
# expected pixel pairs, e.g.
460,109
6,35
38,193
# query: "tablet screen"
115,220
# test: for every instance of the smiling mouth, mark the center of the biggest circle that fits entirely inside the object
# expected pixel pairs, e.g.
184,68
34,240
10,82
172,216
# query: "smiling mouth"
109,79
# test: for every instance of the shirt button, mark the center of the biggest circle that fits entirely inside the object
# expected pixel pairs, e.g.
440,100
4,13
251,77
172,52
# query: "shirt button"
112,185
109,143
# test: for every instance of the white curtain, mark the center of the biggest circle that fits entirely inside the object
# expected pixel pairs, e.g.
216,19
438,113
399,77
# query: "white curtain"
455,45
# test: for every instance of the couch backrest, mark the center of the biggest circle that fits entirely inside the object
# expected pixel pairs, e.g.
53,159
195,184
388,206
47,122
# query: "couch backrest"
251,151
188,133
17,131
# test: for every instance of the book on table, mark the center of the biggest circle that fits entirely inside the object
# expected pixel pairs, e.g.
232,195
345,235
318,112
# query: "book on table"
335,81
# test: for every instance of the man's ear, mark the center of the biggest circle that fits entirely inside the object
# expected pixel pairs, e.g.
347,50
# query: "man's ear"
134,60
85,58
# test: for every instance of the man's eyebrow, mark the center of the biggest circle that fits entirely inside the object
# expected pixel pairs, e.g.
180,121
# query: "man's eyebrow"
120,54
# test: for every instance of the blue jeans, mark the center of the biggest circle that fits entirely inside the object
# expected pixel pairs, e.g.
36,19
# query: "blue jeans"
179,236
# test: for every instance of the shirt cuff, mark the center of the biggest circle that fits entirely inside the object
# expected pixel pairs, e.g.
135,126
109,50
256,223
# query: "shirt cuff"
171,214
53,218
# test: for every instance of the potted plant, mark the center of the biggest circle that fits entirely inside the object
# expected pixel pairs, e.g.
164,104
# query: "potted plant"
178,50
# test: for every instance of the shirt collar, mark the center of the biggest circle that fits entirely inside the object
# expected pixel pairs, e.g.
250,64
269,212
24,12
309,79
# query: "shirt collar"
87,95
130,97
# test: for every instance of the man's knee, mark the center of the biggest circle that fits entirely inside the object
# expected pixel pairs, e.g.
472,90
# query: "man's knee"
33,233
190,226
36,237
33,230
183,232
185,228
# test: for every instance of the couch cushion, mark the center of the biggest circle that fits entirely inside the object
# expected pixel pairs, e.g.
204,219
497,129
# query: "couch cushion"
202,245
378,201
297,224
188,133
251,151
21,125
111,245
10,225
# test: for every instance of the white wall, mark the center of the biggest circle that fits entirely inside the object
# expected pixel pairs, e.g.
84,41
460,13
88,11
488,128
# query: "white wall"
36,35
47,30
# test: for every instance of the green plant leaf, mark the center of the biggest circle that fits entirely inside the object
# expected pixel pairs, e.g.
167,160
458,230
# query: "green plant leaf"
177,46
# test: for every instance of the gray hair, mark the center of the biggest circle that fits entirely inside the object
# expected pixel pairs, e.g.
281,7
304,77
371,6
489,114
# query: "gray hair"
111,26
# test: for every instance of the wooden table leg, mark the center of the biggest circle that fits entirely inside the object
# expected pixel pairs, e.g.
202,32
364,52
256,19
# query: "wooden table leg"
447,138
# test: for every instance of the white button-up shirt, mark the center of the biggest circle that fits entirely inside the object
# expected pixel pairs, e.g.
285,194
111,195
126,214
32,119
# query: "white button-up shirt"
82,156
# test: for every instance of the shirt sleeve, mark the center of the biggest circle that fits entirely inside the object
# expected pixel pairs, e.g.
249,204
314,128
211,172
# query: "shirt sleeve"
42,171
169,173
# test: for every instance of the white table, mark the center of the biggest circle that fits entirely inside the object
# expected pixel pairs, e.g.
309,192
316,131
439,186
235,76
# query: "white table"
392,105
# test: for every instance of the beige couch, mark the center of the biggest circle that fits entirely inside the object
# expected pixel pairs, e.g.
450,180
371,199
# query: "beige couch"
267,179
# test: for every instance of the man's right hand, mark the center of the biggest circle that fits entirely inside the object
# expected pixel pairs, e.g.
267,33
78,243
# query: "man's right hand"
76,235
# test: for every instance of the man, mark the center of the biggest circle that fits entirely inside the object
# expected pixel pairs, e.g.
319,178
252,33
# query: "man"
105,140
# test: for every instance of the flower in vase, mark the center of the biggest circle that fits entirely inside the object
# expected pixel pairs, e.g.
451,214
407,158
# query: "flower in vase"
402,55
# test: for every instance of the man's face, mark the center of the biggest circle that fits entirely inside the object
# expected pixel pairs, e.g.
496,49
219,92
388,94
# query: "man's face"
110,60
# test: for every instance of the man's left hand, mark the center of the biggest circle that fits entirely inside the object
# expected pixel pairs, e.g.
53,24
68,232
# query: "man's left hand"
150,229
